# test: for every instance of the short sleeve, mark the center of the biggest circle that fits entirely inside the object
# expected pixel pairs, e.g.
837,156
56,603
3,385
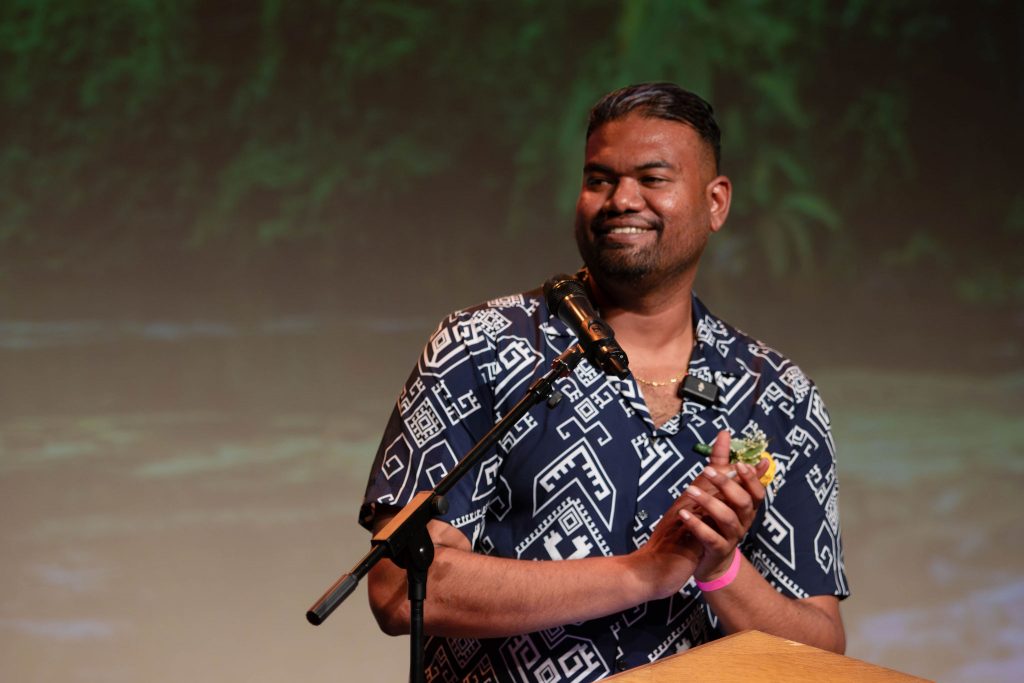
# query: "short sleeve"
442,411
796,543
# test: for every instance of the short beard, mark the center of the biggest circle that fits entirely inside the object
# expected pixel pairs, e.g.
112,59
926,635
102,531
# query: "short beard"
617,265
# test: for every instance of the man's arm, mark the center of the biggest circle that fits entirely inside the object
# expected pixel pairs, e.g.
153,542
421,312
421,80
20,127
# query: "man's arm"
472,595
750,602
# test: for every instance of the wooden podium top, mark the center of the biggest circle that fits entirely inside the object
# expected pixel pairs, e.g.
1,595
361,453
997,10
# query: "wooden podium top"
756,656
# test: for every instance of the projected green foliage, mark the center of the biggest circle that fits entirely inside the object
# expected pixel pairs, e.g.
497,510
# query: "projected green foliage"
202,128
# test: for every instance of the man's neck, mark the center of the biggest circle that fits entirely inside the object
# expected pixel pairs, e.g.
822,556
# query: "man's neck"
649,323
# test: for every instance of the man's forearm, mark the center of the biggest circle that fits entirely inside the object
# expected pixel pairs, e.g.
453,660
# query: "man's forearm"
750,602
471,595
479,596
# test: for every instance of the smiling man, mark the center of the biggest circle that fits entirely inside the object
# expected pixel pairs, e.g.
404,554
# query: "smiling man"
595,538
641,173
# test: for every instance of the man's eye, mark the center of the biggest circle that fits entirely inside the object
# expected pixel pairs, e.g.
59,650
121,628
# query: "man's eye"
654,180
597,182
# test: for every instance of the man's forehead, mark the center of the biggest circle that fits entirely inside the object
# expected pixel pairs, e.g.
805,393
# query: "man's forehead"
650,141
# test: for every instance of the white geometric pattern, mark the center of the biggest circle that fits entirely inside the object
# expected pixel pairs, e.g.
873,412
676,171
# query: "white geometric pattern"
593,476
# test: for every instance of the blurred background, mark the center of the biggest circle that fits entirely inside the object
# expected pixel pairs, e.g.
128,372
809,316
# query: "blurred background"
227,228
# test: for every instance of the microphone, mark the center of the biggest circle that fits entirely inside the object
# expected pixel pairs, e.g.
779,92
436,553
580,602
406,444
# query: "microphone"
567,298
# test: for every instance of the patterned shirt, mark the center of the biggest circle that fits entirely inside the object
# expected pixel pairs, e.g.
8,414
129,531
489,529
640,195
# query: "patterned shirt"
593,475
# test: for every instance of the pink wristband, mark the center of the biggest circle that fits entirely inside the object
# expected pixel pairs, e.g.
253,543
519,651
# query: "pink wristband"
725,579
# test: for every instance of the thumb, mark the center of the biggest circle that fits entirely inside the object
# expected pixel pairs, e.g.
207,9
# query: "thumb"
720,450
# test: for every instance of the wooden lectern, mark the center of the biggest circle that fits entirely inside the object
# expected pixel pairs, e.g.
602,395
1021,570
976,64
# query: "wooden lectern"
755,656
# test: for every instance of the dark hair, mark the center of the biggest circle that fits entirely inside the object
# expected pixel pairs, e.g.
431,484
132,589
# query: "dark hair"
663,101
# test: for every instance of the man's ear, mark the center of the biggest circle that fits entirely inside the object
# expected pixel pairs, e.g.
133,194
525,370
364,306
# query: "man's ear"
719,196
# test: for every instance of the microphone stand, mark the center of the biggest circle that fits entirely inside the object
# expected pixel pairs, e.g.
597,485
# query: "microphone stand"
405,539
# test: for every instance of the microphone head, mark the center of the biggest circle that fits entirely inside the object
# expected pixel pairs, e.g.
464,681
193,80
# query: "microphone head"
568,300
558,288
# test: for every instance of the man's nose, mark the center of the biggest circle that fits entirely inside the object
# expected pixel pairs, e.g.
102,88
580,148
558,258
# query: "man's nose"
626,196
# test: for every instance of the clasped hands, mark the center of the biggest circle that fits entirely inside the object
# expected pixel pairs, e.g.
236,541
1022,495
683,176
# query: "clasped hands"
699,533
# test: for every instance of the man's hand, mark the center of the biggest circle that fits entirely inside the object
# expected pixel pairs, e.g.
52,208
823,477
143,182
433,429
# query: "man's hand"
703,526
721,509
667,560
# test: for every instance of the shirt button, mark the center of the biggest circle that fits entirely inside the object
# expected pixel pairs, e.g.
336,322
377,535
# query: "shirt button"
620,665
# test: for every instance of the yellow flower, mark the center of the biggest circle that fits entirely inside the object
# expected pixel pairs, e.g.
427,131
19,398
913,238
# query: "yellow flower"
769,473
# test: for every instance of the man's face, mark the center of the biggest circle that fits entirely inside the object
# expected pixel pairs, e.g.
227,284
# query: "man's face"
649,200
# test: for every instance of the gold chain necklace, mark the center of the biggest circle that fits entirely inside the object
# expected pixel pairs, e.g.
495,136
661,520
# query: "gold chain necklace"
666,383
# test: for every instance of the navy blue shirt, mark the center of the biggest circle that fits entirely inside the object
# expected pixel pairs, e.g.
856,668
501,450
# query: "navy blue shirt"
593,476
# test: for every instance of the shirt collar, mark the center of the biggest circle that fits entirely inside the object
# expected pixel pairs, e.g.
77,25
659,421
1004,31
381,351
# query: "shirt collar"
714,339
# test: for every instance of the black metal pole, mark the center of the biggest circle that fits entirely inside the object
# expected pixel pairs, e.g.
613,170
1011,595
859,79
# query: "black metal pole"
417,596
